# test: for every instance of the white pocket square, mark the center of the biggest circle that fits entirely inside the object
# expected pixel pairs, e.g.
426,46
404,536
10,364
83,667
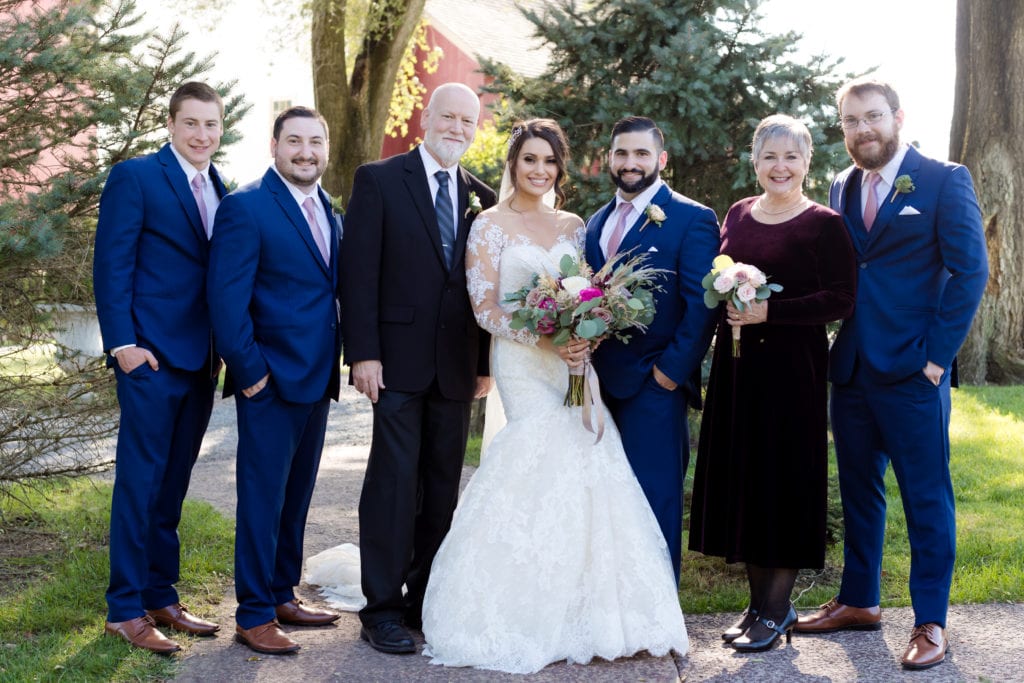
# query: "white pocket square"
652,249
909,211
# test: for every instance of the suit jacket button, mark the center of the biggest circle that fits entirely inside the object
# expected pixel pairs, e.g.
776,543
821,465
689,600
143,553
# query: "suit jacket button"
863,266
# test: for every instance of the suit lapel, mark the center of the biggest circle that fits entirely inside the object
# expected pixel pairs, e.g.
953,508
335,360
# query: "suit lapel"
218,185
291,209
416,183
595,256
637,231
894,201
465,217
179,183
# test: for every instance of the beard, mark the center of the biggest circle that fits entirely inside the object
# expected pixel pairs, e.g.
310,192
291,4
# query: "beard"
871,162
447,152
302,176
635,187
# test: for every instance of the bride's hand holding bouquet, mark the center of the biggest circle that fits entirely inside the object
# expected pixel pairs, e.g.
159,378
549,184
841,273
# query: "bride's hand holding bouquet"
580,304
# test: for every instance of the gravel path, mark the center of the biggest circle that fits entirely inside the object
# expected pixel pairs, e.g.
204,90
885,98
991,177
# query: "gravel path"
986,643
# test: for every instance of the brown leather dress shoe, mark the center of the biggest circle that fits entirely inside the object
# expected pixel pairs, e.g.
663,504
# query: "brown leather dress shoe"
928,647
298,614
142,632
267,638
835,616
178,617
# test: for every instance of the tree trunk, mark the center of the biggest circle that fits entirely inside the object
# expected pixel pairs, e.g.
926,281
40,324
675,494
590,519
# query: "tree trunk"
988,137
356,109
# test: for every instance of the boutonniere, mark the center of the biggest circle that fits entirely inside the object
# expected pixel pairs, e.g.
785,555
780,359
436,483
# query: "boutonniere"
903,185
474,205
655,214
337,206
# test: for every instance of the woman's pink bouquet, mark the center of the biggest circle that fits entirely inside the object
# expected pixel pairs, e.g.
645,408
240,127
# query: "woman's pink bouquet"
577,302
739,283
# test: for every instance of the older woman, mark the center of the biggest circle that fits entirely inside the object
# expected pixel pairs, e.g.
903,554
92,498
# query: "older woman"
759,494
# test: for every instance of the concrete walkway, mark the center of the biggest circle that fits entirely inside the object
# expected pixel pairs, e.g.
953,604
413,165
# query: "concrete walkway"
986,639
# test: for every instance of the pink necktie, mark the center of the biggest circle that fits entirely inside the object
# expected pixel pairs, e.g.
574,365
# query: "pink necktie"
198,181
871,206
318,236
620,227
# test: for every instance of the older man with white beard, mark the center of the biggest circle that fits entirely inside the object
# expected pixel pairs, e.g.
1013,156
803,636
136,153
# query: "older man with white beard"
415,351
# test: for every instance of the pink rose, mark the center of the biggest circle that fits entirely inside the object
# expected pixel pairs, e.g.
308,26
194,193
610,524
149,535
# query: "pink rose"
545,326
602,313
724,283
746,292
588,293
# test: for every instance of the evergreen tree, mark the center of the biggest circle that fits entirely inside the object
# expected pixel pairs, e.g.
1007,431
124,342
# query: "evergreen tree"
81,88
700,68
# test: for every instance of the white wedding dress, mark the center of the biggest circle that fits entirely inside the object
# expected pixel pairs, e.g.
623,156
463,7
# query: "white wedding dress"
554,553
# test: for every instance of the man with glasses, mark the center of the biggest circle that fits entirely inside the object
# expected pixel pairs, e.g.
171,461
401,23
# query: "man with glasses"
916,226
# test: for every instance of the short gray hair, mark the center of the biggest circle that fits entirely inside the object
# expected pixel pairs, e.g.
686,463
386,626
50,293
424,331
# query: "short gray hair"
780,125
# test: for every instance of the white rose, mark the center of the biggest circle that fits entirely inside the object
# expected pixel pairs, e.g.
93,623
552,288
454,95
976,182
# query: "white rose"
655,213
575,284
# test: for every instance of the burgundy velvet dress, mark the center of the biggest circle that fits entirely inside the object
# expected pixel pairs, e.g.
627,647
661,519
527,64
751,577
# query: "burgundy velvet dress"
760,487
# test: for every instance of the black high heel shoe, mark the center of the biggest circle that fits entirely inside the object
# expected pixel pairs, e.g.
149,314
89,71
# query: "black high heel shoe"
746,620
745,644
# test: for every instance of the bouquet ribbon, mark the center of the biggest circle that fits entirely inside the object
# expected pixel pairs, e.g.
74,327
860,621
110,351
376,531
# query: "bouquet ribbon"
593,407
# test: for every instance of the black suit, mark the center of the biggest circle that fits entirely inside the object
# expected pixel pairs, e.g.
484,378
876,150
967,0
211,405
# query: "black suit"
406,308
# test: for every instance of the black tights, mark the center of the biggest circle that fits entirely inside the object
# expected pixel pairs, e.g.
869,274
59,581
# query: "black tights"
770,592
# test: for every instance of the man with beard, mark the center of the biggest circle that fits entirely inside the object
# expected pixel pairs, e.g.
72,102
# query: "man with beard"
415,352
271,289
917,229
648,382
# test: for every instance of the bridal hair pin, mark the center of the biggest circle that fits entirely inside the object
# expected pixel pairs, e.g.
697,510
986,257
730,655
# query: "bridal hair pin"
516,132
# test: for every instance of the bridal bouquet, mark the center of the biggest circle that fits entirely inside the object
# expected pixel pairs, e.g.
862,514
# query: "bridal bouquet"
739,283
578,302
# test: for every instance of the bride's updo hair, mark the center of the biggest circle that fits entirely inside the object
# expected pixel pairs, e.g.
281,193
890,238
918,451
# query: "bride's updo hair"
550,132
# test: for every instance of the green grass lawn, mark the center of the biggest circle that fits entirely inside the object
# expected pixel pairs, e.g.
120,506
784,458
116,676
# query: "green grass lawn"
987,464
53,555
53,574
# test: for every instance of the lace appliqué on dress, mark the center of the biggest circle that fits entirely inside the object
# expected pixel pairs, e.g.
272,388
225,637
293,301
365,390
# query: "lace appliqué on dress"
489,277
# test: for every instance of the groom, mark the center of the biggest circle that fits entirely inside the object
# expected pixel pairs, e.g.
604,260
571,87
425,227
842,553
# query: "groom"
648,383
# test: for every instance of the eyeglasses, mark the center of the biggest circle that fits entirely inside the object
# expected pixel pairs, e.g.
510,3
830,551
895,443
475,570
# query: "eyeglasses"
871,118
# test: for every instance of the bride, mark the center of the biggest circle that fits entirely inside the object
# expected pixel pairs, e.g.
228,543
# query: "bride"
554,553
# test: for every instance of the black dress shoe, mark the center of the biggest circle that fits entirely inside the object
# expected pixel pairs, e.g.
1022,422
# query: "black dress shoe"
390,637
745,621
745,644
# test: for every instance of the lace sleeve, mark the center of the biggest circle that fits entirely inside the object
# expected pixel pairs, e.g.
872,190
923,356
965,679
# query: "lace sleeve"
483,259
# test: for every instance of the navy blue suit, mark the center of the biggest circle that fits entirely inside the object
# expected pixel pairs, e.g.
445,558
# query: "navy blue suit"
921,273
274,309
651,419
149,277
